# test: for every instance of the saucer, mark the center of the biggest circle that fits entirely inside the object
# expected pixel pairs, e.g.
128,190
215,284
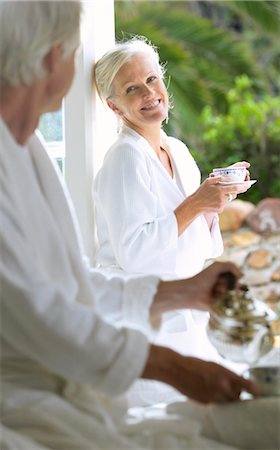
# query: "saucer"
249,183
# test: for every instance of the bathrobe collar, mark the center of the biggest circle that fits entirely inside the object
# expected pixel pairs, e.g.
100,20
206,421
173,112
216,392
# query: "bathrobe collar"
176,158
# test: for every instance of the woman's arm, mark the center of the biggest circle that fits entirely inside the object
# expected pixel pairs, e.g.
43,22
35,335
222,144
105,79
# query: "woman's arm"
209,198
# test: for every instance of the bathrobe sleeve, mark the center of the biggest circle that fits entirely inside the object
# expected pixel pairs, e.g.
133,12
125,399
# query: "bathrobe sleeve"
132,308
216,238
190,179
49,308
42,321
141,231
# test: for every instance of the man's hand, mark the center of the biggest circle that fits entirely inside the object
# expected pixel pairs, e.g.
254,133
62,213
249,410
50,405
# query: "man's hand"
208,382
211,283
198,292
204,382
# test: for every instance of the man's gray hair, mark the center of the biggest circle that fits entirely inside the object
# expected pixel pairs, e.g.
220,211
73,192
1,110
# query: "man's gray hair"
108,66
28,31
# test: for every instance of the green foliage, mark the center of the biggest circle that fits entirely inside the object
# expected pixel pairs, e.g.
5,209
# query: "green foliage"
249,130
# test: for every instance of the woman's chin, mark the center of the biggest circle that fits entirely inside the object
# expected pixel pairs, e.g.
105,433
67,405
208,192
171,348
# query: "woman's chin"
155,119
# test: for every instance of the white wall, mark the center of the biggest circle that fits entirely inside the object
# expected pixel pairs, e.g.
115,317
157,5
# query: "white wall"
89,128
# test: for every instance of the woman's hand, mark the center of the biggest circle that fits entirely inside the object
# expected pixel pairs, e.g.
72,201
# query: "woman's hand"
210,197
245,164
213,197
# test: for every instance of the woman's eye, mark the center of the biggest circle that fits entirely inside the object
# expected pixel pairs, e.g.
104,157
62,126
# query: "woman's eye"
131,89
151,79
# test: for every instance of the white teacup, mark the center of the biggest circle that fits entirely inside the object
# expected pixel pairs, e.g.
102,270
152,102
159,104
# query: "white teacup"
268,379
237,174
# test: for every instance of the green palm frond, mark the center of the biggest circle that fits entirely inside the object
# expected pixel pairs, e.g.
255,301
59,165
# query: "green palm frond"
183,118
200,36
184,37
265,14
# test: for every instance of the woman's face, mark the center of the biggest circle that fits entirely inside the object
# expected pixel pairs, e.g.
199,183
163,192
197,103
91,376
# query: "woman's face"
139,95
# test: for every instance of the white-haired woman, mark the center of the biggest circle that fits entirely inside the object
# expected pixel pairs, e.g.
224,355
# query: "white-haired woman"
153,215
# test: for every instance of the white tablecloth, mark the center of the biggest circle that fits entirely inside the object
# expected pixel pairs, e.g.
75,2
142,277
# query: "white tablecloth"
247,424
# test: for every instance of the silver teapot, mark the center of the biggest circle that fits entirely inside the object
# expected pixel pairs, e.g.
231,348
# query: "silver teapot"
239,327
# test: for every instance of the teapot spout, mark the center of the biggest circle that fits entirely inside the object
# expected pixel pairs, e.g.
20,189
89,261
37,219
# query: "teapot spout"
260,345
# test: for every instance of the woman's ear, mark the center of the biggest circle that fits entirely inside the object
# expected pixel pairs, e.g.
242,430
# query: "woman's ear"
113,107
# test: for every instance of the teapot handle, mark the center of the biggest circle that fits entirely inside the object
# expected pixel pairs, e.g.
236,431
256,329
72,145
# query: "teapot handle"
227,280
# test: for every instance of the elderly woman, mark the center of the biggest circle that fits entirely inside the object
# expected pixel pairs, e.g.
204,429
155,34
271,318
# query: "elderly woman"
61,363
153,215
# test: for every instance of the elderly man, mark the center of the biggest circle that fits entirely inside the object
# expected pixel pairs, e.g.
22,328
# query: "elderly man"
61,362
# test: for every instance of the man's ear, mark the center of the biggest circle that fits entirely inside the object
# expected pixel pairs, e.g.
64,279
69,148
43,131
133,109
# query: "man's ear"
113,107
53,58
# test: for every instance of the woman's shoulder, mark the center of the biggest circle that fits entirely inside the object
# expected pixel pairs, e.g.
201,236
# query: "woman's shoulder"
124,156
125,148
180,152
178,147
176,143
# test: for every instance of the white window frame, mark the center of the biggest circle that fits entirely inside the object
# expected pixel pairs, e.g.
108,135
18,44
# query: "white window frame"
56,149
89,128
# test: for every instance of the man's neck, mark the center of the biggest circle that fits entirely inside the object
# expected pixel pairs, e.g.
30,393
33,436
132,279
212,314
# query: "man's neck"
19,112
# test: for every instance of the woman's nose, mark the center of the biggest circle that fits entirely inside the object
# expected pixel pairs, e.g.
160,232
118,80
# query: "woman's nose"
146,90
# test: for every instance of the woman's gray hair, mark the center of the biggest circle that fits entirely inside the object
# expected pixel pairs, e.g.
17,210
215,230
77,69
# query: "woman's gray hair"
29,29
111,62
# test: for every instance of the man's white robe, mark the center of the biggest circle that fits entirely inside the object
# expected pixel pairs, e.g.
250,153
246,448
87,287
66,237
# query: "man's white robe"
61,362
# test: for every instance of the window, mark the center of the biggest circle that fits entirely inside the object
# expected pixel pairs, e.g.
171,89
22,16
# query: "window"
79,135
51,127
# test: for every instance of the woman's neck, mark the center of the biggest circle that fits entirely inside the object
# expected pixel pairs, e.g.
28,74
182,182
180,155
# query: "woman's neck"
151,134
153,137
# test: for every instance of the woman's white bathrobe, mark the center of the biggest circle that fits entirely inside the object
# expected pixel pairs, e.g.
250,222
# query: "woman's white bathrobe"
135,199
61,362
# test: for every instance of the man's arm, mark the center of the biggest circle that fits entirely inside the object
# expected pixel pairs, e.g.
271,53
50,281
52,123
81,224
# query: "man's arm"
199,380
202,381
141,301
198,292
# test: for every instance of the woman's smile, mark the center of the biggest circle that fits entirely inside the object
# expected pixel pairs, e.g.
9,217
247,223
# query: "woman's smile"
151,106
